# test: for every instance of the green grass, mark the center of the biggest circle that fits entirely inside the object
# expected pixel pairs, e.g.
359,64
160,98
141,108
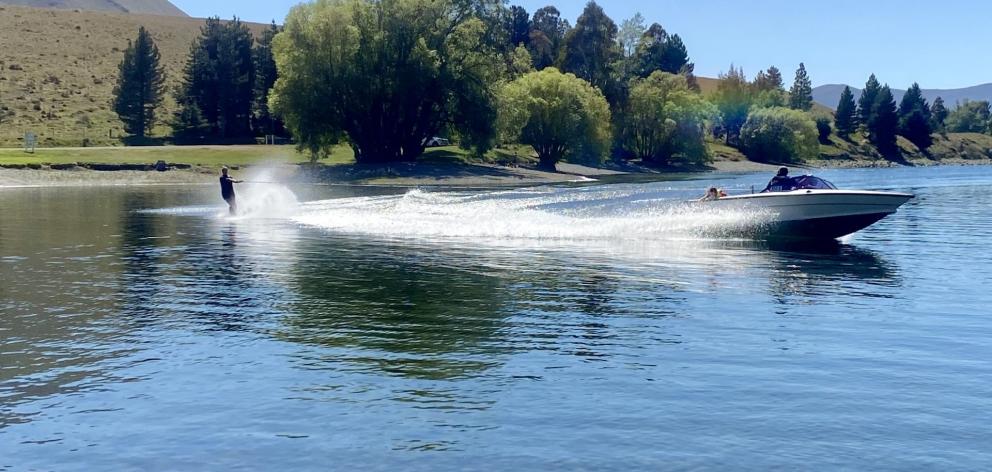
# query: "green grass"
194,155
720,151
215,156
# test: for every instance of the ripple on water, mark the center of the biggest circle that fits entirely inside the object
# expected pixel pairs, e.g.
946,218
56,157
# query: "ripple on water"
542,328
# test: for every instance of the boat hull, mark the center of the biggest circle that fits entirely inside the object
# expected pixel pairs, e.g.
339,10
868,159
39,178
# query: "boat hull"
813,214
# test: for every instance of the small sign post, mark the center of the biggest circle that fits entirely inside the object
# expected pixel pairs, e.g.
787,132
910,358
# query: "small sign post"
30,141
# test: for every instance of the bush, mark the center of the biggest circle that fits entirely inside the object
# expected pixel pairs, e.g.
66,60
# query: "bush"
779,135
823,129
969,117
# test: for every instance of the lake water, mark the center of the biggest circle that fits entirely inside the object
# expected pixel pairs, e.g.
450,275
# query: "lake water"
547,328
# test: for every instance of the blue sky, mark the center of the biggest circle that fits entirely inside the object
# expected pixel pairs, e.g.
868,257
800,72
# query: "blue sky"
938,44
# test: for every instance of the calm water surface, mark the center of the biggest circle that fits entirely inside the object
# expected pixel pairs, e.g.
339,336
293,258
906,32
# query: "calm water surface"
538,329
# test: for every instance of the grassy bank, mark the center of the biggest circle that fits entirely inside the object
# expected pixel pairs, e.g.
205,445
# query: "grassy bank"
239,155
207,156
854,152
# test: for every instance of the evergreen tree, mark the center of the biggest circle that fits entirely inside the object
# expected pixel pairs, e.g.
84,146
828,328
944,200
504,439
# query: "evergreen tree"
846,117
884,122
265,79
914,118
675,55
938,115
867,101
219,79
647,57
518,26
591,50
660,52
775,78
770,79
801,93
547,34
140,83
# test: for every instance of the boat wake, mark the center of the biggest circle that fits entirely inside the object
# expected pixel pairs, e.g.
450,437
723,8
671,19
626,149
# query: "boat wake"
535,214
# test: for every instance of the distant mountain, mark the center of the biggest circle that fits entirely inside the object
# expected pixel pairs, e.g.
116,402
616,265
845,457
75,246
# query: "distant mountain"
145,7
829,95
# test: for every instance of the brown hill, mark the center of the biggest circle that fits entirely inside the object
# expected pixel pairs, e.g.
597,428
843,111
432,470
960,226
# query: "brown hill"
146,7
58,69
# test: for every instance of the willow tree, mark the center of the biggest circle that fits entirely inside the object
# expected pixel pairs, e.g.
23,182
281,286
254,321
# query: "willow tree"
560,115
386,75
665,120
779,135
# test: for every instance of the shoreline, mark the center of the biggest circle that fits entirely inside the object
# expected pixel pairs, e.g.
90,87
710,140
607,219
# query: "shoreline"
471,175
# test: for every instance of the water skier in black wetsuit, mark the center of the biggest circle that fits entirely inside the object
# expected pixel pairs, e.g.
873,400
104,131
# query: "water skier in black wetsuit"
227,190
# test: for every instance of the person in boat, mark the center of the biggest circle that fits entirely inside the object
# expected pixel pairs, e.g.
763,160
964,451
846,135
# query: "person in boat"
781,182
227,190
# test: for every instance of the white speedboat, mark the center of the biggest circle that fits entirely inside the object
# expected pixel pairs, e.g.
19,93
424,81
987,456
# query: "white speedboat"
812,208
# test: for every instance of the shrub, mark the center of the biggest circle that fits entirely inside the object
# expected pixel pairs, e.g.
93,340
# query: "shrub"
779,135
823,129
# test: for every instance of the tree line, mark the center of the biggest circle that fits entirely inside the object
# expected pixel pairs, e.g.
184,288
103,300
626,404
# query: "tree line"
223,94
385,76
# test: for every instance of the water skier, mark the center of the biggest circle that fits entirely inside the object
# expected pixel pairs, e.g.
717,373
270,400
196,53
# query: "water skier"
227,190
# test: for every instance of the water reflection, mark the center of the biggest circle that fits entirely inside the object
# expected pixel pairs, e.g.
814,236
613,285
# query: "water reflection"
804,273
394,310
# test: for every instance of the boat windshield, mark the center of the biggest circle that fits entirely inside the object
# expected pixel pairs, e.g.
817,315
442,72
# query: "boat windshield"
814,183
803,182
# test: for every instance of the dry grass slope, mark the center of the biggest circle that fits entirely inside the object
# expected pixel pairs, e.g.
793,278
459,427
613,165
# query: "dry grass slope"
58,69
147,7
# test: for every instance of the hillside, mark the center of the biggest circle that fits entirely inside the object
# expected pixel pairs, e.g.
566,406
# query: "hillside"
145,7
58,69
829,95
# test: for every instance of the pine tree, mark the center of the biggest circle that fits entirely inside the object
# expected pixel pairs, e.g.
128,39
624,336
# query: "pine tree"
518,26
265,79
140,83
219,79
768,80
938,115
914,118
846,117
659,51
775,78
867,101
884,122
801,93
675,55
